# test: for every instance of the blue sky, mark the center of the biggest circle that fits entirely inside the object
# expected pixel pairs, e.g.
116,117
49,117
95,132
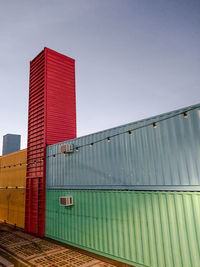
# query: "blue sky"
134,58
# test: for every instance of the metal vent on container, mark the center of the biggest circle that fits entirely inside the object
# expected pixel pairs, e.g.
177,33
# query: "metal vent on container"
66,201
68,148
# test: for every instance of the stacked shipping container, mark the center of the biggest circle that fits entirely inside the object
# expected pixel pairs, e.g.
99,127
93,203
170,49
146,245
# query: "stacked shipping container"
51,119
130,184
12,188
138,156
139,228
142,228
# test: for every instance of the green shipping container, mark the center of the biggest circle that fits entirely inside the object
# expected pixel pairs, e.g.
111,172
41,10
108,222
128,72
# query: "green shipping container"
154,229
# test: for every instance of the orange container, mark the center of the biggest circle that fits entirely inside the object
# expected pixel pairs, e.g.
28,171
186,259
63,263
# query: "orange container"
12,206
13,169
12,187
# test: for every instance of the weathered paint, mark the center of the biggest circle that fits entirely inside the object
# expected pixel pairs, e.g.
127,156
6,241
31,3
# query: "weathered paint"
140,228
165,158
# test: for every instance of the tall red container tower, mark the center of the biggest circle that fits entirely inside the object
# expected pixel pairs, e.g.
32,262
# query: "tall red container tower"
51,119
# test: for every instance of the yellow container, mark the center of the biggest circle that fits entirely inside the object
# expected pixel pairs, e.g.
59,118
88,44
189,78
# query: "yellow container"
13,169
12,187
12,206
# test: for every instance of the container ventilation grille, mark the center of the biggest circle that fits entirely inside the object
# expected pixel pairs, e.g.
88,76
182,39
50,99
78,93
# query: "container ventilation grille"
66,201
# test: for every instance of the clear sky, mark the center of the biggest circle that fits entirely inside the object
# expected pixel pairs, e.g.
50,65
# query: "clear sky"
134,58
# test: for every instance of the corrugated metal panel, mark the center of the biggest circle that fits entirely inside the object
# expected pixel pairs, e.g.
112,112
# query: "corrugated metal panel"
51,103
12,206
13,175
35,176
140,228
165,158
13,169
60,97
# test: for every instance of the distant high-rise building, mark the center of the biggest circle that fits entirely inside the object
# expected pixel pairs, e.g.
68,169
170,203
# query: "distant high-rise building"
11,143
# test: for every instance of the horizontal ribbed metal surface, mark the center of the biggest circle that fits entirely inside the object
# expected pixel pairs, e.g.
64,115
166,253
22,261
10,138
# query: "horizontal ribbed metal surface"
165,158
140,228
60,97
51,119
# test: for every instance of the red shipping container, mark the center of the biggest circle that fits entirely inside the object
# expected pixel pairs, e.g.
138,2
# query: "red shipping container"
51,119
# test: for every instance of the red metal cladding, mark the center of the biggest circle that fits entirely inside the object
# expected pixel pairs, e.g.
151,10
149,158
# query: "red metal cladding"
51,119
60,97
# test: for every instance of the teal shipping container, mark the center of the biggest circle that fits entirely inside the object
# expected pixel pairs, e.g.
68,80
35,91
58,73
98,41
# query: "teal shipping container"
156,229
159,153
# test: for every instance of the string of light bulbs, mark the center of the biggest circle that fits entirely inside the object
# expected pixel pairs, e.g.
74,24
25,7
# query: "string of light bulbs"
108,139
130,131
21,164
